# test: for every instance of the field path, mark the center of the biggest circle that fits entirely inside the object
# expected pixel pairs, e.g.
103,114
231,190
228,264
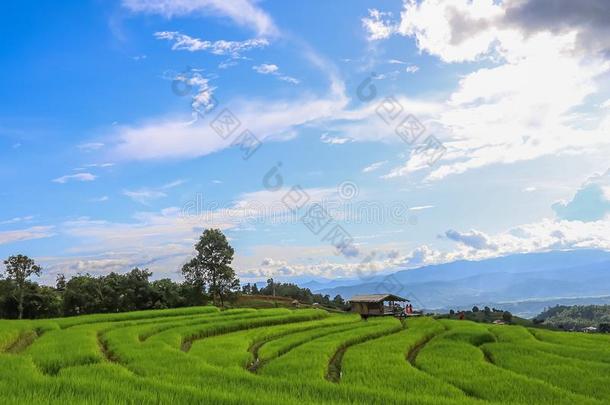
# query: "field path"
25,339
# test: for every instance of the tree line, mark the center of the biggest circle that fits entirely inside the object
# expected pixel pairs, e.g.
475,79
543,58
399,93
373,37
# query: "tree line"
208,278
290,290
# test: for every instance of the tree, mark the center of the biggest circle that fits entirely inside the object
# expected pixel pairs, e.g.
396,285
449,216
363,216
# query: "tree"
338,301
604,328
19,268
475,309
507,316
271,284
211,265
246,289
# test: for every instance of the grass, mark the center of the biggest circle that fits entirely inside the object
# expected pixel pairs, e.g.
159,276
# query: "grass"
203,355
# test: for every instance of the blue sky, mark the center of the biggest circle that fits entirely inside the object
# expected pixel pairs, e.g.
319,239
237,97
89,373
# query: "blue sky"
110,160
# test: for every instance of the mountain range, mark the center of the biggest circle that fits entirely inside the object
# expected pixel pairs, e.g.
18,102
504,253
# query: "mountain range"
525,284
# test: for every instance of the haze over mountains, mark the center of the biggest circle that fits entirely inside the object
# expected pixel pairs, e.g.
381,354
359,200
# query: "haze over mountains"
524,284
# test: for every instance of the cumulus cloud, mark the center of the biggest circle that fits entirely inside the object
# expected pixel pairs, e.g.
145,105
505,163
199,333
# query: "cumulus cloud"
421,256
590,203
192,82
267,262
377,25
591,18
473,239
526,63
265,68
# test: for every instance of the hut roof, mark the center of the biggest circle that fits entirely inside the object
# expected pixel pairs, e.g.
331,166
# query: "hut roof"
377,298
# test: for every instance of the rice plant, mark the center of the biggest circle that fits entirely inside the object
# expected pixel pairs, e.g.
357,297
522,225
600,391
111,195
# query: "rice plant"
203,355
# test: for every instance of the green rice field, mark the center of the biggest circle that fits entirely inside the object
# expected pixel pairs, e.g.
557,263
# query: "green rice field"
303,356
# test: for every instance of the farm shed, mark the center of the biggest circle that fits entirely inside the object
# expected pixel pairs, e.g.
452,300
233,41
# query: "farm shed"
376,304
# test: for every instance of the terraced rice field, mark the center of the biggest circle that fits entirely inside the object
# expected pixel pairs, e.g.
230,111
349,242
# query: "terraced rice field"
269,356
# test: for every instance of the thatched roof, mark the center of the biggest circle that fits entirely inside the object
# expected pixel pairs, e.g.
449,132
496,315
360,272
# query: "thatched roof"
377,298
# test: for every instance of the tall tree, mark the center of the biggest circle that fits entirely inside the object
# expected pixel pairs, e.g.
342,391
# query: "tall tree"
19,268
211,265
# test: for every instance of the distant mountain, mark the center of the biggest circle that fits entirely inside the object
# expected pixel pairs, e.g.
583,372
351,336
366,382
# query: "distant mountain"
536,277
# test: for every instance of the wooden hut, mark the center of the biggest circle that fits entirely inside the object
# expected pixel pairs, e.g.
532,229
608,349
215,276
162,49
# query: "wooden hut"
376,304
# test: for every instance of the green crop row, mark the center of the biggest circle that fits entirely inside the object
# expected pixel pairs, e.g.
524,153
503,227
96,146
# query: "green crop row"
461,363
311,360
383,363
201,355
236,349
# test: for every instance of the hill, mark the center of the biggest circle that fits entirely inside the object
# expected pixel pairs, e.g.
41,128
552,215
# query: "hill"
576,317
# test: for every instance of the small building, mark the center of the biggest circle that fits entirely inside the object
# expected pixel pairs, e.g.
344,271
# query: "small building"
589,329
376,304
296,303
498,322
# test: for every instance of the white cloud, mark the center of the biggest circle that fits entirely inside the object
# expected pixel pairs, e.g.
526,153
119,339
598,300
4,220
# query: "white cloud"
274,120
35,232
374,166
16,220
455,30
90,146
271,69
242,12
421,207
512,110
334,140
267,261
289,79
234,49
75,177
227,64
103,198
265,68
412,69
376,26
194,83
422,256
144,196
474,239
591,202
147,194
164,239
101,165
